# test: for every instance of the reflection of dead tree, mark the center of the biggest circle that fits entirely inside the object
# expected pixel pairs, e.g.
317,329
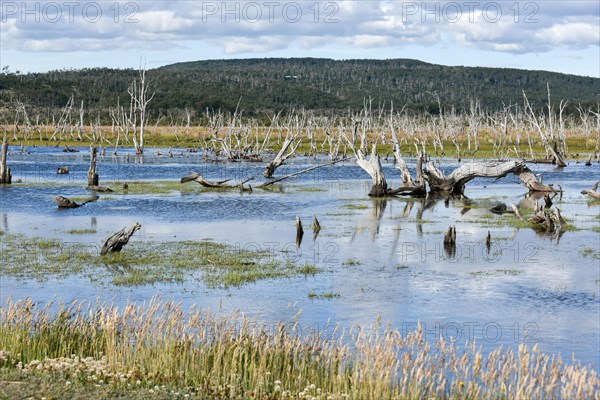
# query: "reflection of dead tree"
316,227
116,241
373,220
592,192
450,241
299,232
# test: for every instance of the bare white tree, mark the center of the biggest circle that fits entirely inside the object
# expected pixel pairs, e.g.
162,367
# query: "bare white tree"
140,98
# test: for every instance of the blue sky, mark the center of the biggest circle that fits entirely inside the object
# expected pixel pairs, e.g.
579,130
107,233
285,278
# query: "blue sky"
562,36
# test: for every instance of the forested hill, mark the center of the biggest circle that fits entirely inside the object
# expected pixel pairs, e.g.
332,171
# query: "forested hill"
264,86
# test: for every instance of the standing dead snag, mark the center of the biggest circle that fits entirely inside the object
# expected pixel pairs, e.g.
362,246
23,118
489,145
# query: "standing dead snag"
5,172
119,239
291,144
92,174
409,186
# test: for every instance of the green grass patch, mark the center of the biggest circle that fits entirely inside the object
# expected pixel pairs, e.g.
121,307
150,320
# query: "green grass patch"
155,187
215,264
325,295
356,206
589,252
81,231
160,350
351,262
497,272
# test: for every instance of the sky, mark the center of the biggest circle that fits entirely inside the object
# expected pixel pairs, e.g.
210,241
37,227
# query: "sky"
561,36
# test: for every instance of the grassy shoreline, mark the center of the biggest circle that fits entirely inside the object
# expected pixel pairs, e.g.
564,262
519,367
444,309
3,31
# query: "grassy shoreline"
157,349
193,138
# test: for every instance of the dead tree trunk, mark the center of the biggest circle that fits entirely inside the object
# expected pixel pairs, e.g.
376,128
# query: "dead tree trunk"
290,144
116,241
455,181
409,186
5,172
92,174
543,135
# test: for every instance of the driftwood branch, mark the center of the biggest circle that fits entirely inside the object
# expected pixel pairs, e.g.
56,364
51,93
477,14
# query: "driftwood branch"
119,239
64,202
592,192
268,183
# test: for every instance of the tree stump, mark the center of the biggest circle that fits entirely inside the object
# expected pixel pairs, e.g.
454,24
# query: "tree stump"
119,239
92,174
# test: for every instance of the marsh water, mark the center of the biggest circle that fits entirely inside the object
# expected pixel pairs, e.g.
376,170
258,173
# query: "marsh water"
377,259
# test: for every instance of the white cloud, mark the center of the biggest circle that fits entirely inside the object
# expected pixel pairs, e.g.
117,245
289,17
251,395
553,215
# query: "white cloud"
263,26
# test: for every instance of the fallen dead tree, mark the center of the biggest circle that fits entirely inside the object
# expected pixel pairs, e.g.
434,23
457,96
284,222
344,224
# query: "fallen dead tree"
224,184
592,192
64,202
456,180
119,239
227,184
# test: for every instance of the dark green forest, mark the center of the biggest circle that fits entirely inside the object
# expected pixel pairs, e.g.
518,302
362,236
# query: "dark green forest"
265,86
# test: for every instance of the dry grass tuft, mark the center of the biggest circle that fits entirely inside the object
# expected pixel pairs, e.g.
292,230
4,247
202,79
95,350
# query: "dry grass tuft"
159,345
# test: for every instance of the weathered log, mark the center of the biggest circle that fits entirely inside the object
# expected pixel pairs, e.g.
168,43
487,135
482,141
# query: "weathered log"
119,239
5,172
67,149
92,174
101,189
592,192
196,177
456,180
500,209
62,170
64,202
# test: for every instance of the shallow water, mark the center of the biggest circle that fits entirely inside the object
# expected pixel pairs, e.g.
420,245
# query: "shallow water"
383,258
